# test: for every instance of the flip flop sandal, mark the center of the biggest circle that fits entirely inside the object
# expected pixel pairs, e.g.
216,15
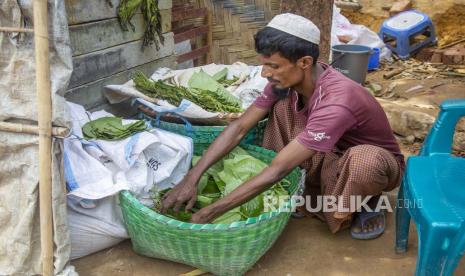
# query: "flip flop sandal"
361,219
298,214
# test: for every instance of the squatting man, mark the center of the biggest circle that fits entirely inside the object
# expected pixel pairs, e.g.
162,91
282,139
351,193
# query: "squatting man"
318,119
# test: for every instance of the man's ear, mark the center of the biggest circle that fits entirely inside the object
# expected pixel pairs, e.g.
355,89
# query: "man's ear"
305,62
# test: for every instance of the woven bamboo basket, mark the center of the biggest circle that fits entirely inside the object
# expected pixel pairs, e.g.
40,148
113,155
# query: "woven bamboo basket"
222,249
205,134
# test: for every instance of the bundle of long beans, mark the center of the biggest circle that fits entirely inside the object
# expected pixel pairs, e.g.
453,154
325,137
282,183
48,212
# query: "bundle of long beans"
208,100
152,18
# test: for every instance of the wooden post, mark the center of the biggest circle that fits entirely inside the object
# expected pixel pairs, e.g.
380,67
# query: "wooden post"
43,87
210,37
320,12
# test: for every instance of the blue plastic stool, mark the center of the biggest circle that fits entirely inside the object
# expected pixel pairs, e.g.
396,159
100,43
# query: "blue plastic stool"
400,32
433,195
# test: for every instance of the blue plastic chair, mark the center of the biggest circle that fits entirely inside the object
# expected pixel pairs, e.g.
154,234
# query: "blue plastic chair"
433,195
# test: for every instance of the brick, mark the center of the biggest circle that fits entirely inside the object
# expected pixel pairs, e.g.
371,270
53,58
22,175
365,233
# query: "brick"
400,6
454,55
448,59
459,59
425,54
436,57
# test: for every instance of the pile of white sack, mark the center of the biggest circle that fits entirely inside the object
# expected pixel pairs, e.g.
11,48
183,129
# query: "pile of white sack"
356,34
97,170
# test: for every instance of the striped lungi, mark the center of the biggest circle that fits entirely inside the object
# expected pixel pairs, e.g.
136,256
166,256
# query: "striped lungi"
361,170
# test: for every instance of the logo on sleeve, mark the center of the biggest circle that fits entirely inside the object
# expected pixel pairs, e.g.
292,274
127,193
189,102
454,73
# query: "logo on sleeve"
319,136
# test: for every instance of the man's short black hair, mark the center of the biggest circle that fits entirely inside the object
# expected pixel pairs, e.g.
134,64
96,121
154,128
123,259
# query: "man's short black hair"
269,41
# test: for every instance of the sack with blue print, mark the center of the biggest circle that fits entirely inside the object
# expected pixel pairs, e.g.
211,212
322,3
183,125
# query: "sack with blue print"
95,169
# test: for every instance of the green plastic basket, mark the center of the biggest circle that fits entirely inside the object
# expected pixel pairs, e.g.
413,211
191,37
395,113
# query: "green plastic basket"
222,249
205,134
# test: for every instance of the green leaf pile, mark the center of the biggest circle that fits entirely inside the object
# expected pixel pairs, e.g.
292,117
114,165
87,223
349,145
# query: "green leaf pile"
225,176
111,128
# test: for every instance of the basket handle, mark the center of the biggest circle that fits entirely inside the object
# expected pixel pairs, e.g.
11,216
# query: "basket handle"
173,112
187,125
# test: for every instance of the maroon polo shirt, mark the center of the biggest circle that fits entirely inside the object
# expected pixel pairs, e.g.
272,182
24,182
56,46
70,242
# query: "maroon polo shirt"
340,114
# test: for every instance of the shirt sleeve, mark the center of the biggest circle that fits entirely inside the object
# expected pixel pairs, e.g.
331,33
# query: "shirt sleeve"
267,99
325,127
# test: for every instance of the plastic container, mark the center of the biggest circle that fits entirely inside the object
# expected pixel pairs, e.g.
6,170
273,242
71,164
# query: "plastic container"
373,61
351,60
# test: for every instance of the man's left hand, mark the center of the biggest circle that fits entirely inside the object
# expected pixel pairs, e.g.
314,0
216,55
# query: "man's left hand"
204,215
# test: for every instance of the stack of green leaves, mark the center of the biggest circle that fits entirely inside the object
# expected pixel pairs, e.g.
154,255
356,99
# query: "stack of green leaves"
225,176
111,128
204,92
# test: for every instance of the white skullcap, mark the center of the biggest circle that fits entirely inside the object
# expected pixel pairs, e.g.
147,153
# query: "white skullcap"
296,25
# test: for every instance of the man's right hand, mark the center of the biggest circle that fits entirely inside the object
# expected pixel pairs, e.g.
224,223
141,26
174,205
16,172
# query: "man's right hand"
183,193
186,191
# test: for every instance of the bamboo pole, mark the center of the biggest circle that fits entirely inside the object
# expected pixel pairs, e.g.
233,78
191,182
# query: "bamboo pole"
15,30
45,132
31,129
